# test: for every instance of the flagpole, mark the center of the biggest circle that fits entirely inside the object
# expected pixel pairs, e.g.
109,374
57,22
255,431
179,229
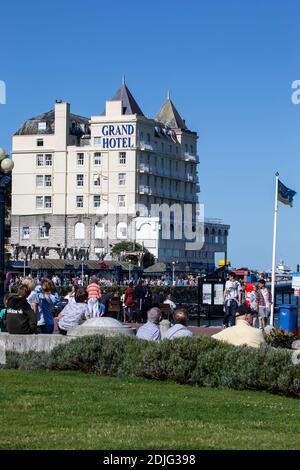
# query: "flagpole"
274,252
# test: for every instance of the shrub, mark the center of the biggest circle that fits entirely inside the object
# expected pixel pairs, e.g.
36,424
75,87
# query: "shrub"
279,338
31,360
200,361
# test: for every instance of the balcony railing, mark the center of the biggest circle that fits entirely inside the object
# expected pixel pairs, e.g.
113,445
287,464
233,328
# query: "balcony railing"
146,146
145,190
188,157
210,220
144,168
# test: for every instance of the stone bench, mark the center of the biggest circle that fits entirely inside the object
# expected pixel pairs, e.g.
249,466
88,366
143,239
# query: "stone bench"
25,343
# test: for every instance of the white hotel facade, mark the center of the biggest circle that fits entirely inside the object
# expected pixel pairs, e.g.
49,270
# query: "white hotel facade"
81,185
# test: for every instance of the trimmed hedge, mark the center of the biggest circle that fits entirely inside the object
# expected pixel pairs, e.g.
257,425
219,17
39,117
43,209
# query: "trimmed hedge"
200,361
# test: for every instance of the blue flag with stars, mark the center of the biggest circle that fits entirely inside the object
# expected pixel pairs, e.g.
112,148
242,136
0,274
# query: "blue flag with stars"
285,195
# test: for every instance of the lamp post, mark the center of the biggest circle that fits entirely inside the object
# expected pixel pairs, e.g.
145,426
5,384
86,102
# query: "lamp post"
129,274
173,272
6,166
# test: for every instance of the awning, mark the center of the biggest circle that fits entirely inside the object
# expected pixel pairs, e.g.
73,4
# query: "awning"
63,264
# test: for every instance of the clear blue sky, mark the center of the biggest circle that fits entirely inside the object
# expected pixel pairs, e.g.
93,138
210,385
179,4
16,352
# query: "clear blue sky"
229,66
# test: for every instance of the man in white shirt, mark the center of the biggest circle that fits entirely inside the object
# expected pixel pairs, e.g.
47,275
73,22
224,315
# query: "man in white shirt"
232,299
243,332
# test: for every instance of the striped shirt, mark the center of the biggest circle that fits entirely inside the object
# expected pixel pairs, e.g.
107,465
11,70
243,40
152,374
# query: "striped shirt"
93,291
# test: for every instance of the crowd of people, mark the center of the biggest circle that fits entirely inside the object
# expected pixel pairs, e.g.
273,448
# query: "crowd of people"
256,296
31,307
60,280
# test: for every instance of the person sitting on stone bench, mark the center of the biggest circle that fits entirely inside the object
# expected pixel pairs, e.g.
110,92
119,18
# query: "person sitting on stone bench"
19,318
74,313
243,332
150,331
179,330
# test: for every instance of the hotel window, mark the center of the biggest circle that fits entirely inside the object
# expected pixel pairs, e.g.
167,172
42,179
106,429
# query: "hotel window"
48,159
170,148
79,179
141,136
39,202
148,138
122,158
162,163
79,231
122,179
97,200
170,166
122,230
186,148
40,142
40,160
42,126
48,181
176,186
155,181
97,158
25,233
177,150
80,159
192,149
161,183
122,200
79,201
97,180
176,166
155,162
44,230
99,231
162,147
39,181
48,202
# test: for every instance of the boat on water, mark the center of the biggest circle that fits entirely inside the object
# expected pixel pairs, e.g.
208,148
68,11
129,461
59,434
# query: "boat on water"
283,272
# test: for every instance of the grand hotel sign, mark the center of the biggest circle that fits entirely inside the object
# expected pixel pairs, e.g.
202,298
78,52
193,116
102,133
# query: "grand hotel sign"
119,136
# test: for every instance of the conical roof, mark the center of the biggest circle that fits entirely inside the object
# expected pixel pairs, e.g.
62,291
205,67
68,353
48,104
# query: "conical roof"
170,117
129,105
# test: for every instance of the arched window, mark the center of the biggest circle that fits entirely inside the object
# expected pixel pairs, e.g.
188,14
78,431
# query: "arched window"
122,230
79,231
99,231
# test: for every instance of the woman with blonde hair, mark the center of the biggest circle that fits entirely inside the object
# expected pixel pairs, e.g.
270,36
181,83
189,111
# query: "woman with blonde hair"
32,299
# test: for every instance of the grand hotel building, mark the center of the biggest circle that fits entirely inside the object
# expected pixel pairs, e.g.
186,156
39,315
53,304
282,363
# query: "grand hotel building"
72,173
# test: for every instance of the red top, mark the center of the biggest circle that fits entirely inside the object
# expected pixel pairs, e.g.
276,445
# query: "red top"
129,300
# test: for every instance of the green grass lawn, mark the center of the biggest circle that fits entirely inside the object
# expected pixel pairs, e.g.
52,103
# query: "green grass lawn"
70,410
